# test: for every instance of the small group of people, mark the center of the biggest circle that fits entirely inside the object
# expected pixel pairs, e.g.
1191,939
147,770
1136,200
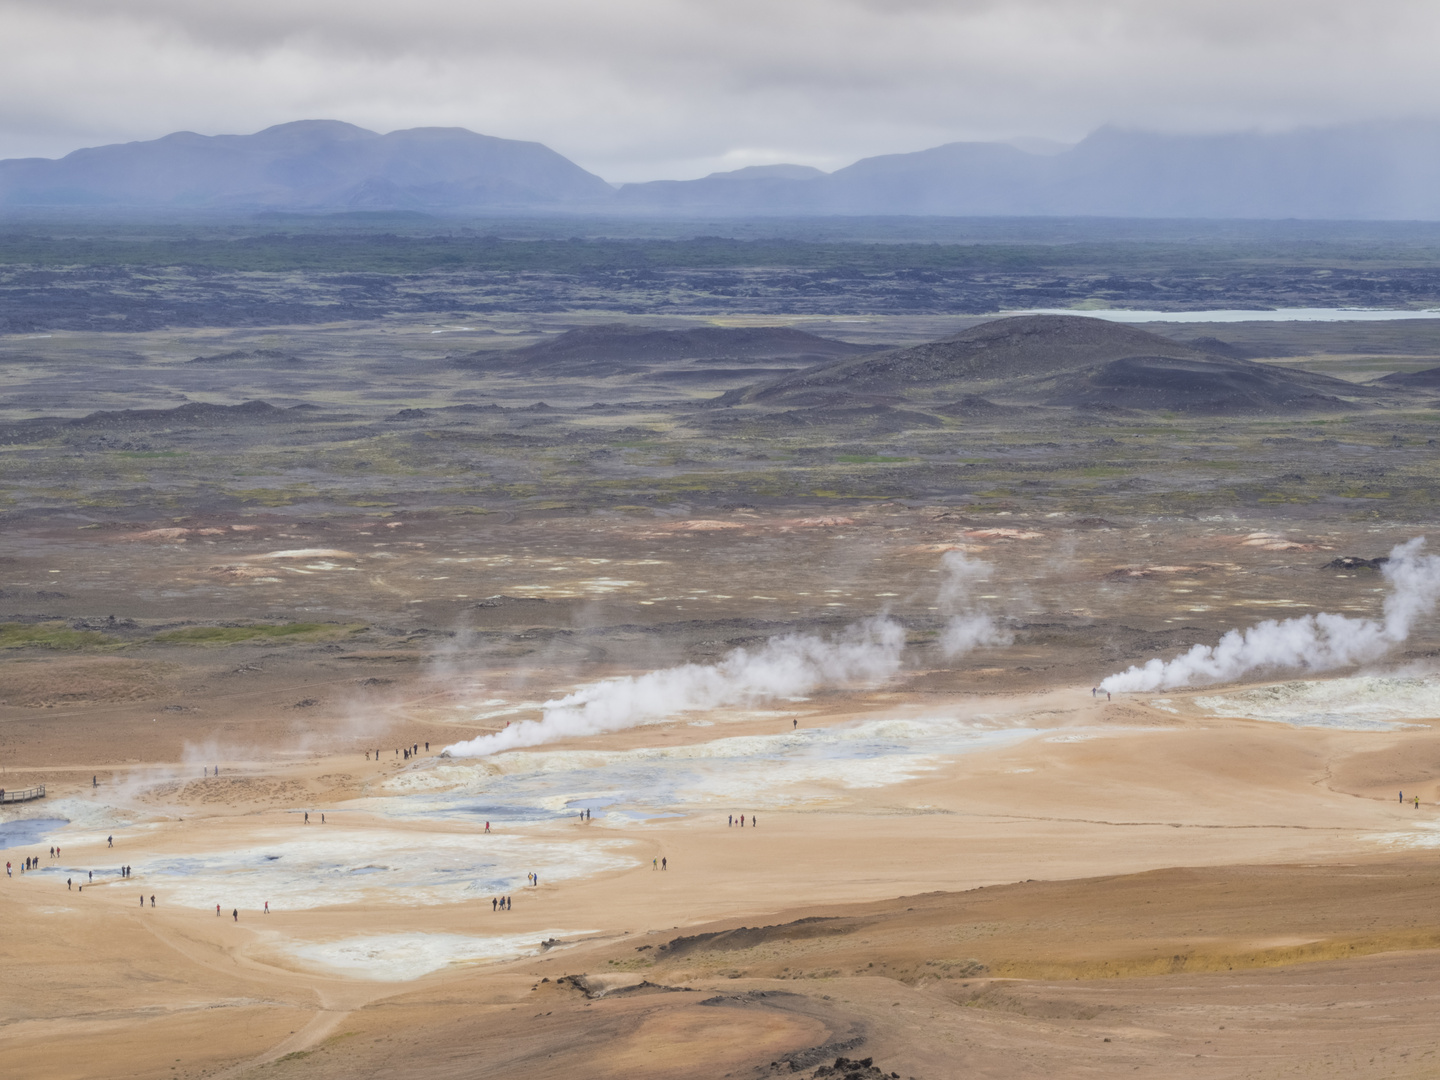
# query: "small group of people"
410,751
741,821
659,864
585,814
533,878
142,900
1417,800
500,903
307,817
1095,691
32,862
206,770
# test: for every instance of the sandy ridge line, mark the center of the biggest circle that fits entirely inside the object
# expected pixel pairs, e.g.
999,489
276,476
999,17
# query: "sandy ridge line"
1175,824
320,1027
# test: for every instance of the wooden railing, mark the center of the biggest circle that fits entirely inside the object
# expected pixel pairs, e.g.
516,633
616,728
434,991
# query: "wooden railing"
22,794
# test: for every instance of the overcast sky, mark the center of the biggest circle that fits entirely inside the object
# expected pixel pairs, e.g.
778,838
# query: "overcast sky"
649,89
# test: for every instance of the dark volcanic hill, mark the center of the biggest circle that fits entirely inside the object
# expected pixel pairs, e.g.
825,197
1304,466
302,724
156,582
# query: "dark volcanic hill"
309,164
1427,379
1211,385
619,348
1058,360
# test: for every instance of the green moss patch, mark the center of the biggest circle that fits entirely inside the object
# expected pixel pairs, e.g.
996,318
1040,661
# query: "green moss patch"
230,635
50,636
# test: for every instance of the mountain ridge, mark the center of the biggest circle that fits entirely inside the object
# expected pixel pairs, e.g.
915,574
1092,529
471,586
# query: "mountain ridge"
306,164
1373,171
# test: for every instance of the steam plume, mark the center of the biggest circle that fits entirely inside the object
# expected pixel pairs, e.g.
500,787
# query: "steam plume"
1310,643
866,652
968,628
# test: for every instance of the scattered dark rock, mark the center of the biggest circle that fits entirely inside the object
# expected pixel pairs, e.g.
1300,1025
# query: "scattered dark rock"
974,405
875,418
258,357
194,412
581,983
814,1055
501,600
845,1069
1355,562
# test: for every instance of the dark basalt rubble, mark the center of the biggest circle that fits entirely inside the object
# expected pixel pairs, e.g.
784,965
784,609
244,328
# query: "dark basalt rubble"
845,1069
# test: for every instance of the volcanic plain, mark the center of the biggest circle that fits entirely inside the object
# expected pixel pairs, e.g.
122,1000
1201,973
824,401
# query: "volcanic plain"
244,567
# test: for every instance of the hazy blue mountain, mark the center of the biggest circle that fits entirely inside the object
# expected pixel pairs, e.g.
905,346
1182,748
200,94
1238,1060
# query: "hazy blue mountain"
310,164
769,172
1384,171
1363,171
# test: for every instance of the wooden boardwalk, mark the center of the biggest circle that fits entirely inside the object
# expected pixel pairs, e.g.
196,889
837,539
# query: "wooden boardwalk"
22,794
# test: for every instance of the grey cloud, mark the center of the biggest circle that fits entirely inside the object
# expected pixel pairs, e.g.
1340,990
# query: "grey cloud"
641,89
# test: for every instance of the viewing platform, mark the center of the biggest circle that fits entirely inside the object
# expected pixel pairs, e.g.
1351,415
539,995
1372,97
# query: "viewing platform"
8,795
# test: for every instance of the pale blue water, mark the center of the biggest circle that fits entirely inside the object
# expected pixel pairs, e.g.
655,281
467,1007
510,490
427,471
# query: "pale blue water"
28,831
1231,316
728,774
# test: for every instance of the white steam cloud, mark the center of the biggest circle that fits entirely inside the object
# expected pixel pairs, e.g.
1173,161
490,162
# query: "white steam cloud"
1310,643
968,628
864,653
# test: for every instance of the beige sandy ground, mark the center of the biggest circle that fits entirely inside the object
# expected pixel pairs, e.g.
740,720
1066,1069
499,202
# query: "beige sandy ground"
1008,913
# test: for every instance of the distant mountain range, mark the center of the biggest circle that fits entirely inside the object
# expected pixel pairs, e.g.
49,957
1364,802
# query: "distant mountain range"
308,165
1385,171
